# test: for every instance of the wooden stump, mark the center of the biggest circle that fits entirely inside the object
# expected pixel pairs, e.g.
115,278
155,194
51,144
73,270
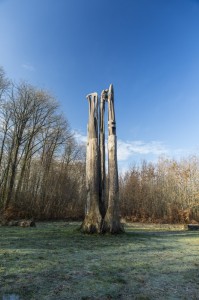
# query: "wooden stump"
20,223
193,226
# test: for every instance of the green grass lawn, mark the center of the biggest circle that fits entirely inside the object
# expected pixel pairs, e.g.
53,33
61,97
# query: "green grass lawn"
55,261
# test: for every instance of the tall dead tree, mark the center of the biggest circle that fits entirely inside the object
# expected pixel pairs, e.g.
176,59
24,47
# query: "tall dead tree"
93,219
102,187
111,222
97,219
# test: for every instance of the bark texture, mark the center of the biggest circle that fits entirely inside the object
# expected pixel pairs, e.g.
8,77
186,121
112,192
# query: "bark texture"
93,219
111,222
97,219
102,187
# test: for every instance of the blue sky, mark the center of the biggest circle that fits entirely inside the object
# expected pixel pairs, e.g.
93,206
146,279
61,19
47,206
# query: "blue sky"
148,49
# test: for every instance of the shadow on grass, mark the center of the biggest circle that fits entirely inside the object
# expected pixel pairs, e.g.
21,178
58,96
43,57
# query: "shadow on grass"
105,282
59,235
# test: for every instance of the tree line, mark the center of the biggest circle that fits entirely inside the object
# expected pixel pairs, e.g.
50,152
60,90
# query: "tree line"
166,191
42,167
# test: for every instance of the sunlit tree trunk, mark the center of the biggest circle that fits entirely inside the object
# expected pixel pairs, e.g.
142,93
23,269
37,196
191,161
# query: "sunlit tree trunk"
111,222
92,221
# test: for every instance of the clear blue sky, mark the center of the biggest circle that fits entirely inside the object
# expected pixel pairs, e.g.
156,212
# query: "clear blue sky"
149,50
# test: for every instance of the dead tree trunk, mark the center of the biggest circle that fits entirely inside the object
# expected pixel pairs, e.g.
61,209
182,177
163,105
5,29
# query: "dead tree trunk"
97,219
102,188
93,219
111,222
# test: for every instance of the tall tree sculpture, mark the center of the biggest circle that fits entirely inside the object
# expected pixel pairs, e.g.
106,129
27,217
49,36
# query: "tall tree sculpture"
111,222
97,219
93,219
102,187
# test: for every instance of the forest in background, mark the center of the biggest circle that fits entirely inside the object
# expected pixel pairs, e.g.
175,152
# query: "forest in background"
165,192
42,167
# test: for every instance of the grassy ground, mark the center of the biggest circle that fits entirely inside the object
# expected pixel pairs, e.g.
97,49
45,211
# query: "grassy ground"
55,261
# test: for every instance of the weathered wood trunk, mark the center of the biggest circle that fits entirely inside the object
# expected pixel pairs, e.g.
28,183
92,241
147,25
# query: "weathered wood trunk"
21,223
193,226
111,222
93,219
97,219
102,184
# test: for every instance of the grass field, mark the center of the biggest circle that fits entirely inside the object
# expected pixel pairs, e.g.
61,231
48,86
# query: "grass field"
55,261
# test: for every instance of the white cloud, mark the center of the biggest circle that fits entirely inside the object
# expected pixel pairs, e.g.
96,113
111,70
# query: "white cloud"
80,137
126,149
28,67
130,152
